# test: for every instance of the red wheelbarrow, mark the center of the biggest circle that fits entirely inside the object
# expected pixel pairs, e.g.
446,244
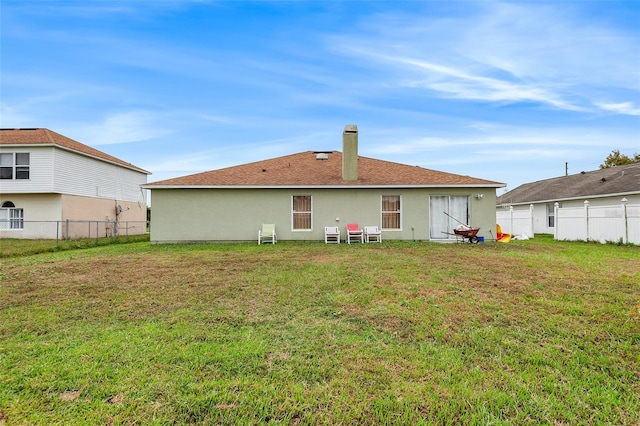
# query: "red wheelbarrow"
469,235
463,232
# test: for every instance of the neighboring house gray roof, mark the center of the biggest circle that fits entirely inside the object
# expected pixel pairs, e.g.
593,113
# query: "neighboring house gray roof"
618,180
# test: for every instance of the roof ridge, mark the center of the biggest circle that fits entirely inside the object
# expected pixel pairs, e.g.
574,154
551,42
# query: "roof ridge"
585,172
593,183
48,134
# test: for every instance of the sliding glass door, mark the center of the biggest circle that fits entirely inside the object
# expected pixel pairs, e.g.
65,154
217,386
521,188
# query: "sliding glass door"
441,224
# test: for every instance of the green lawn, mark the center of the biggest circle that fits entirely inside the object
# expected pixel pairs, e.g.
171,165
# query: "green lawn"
20,247
530,332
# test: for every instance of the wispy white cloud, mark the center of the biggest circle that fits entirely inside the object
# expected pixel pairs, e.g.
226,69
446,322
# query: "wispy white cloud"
499,139
627,108
553,43
100,9
462,84
221,156
123,127
13,117
505,153
501,52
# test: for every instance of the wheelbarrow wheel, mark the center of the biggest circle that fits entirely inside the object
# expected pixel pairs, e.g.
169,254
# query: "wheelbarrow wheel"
474,240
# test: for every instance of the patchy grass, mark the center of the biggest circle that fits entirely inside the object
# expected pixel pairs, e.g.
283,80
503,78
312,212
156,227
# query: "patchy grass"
531,332
23,247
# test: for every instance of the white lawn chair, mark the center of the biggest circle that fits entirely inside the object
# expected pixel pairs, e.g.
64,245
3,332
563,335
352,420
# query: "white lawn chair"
372,233
267,234
331,234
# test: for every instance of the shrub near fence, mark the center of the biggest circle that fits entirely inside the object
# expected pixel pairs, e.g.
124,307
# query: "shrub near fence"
71,229
614,223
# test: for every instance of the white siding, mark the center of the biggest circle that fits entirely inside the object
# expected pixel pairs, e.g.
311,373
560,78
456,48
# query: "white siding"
53,170
79,175
40,172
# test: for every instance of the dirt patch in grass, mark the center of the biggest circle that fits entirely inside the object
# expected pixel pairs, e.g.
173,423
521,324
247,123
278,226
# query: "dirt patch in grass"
116,399
69,395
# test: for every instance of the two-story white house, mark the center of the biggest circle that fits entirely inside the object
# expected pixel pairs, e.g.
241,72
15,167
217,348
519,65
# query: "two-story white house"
55,187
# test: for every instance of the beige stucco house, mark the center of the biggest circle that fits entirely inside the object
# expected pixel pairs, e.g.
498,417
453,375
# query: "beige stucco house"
304,192
54,187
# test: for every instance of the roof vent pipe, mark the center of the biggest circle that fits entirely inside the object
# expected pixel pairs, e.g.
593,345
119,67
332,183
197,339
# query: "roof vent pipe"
350,153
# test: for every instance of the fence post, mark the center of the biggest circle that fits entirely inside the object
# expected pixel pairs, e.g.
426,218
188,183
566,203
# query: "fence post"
531,231
626,224
57,232
67,231
586,216
511,220
556,207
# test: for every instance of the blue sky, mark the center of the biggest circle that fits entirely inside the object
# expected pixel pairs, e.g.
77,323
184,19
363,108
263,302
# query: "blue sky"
501,90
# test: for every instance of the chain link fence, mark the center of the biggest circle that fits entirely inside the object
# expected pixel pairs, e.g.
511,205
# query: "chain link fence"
71,229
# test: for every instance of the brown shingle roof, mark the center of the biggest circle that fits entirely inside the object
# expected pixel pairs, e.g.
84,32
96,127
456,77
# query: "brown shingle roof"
46,137
615,180
303,169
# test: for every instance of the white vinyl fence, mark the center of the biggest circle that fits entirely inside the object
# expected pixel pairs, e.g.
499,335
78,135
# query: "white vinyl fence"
613,223
516,222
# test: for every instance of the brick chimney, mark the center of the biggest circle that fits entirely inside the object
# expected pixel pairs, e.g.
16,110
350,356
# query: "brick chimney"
350,152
